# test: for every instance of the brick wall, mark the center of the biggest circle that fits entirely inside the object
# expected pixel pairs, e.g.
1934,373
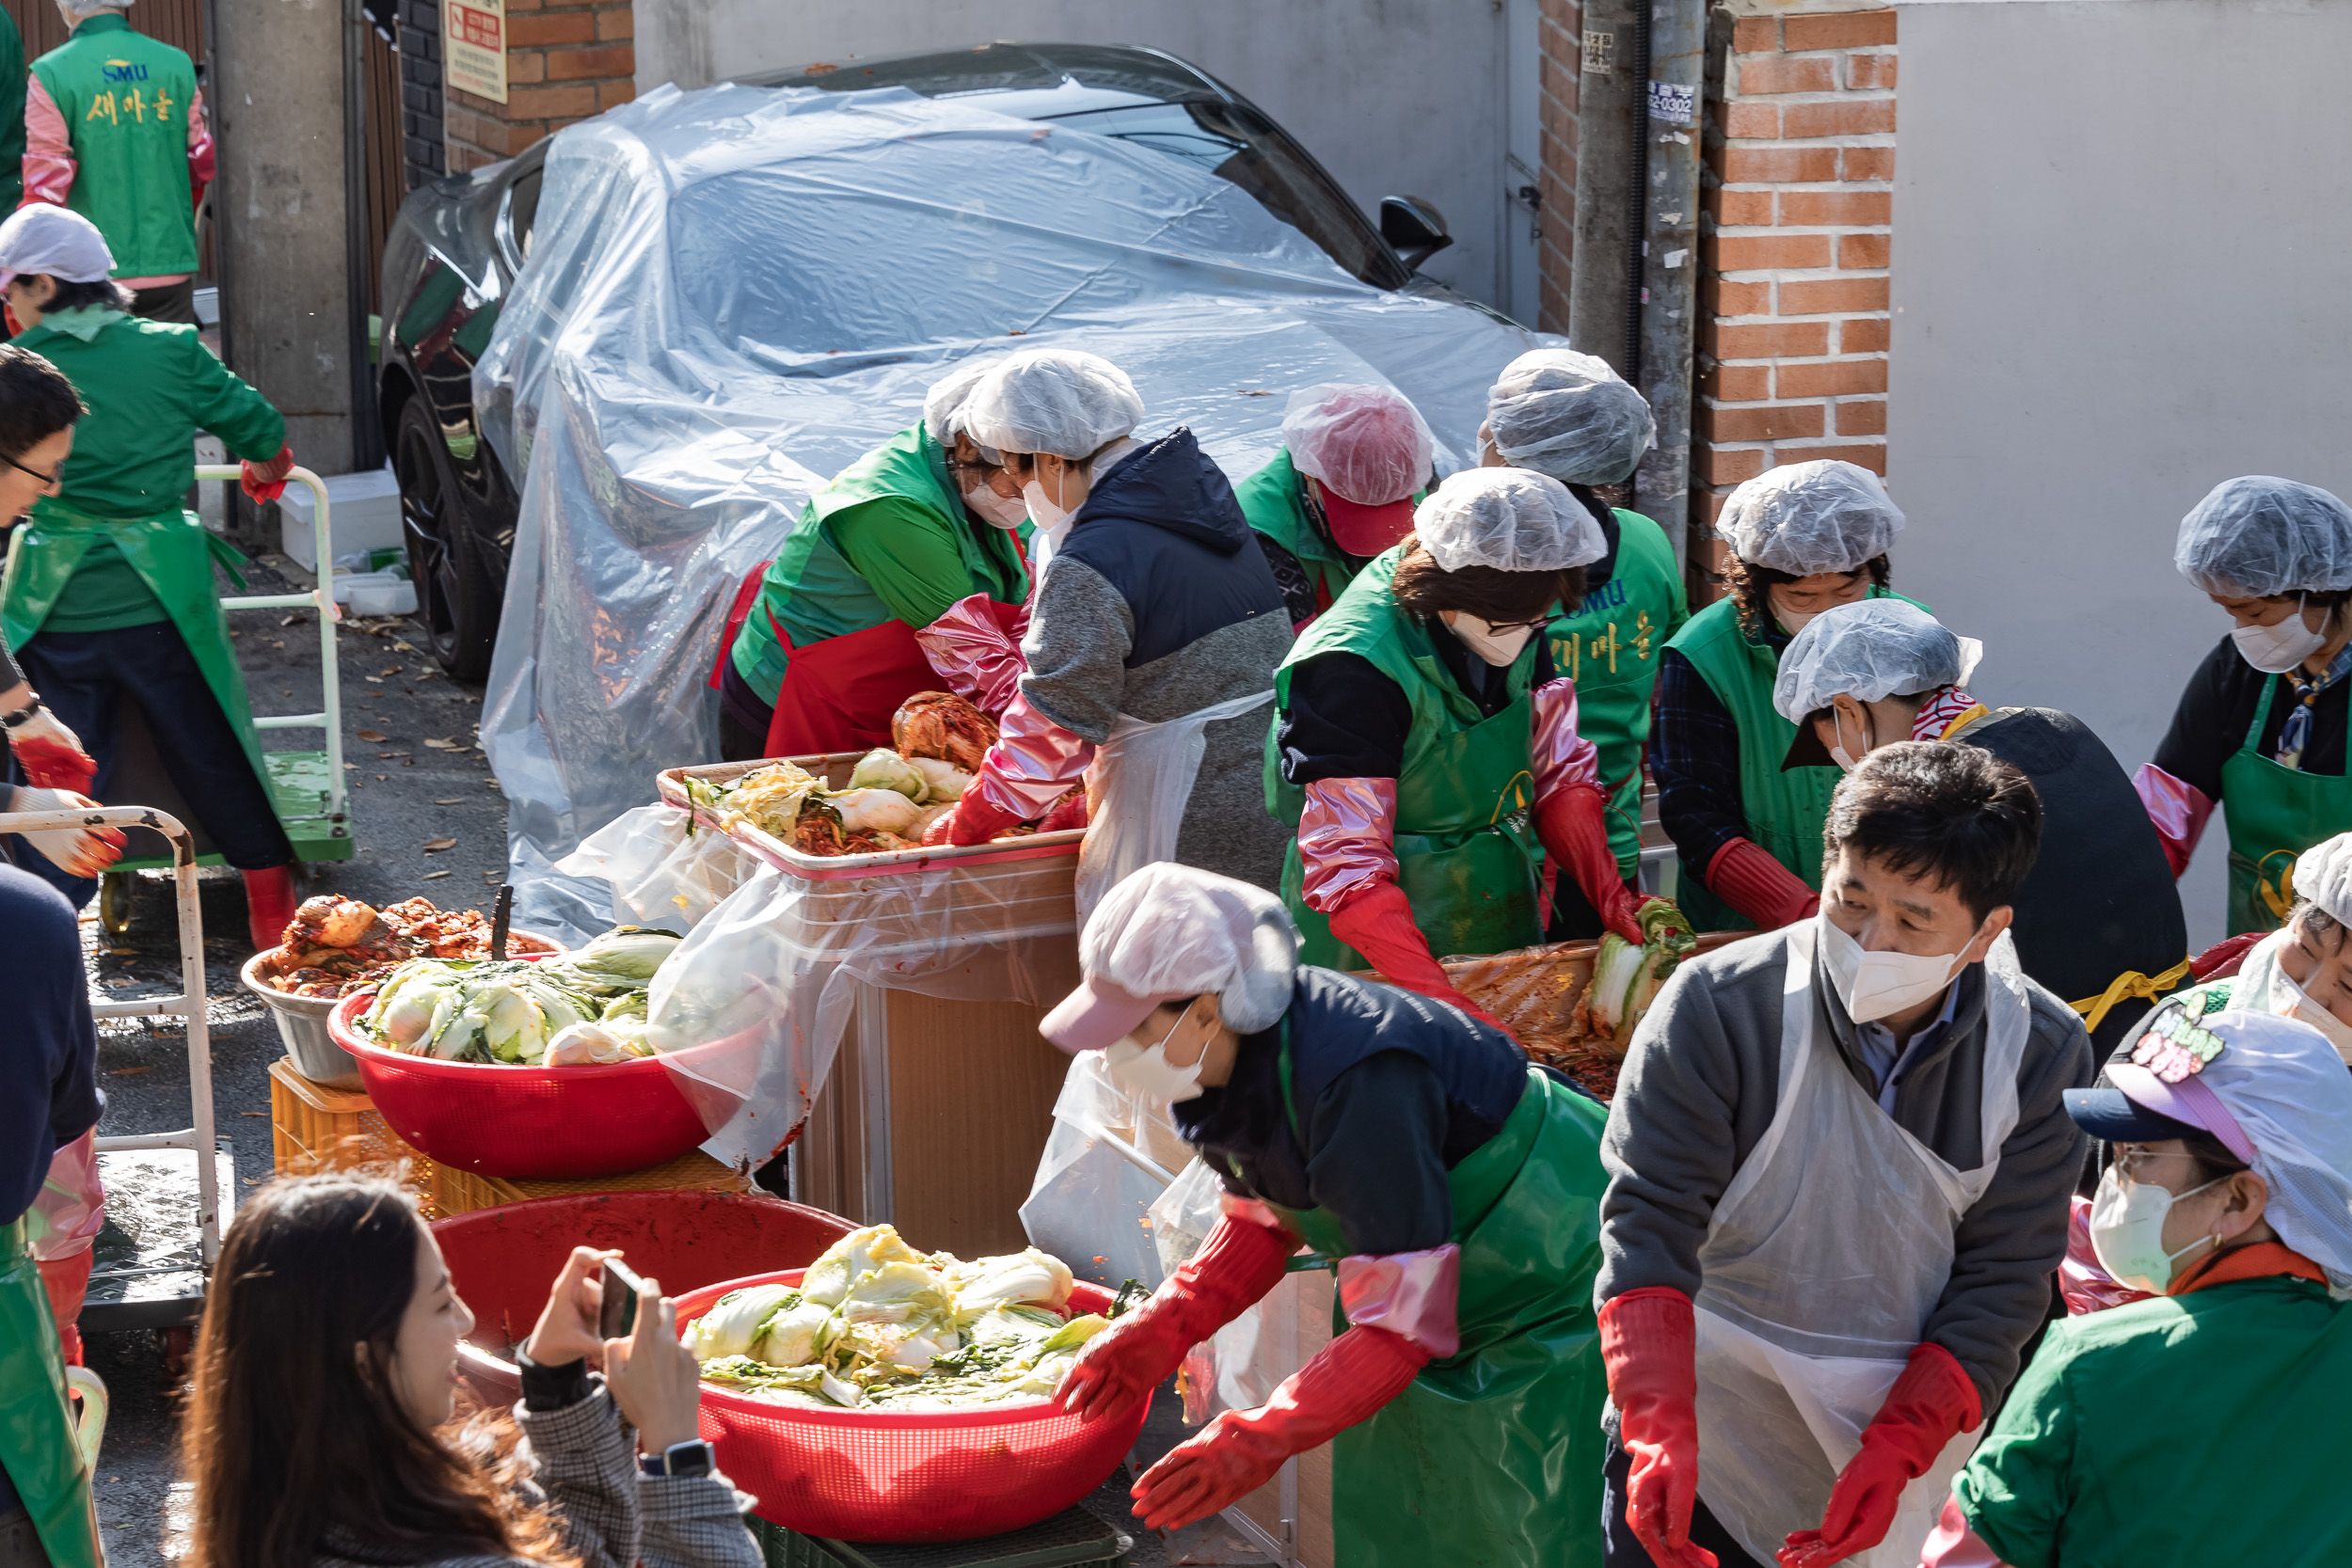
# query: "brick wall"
1561,32
565,60
1793,301
421,111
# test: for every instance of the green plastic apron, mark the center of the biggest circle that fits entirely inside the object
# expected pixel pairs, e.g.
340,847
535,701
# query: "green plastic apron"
1492,1457
37,1442
173,554
2274,815
1467,855
1785,811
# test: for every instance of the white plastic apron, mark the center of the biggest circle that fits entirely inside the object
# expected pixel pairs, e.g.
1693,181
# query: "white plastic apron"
1829,1249
1136,791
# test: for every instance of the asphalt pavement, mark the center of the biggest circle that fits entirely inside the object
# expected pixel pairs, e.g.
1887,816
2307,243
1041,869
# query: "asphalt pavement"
416,778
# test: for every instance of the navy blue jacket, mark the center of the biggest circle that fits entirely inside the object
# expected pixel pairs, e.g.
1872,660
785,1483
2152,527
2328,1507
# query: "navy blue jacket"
49,1047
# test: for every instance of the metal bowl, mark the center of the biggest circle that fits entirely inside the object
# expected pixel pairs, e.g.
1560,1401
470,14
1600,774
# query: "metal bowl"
302,1020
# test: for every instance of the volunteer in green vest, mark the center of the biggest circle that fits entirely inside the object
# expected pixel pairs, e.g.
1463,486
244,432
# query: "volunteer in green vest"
12,92
1570,416
1340,491
114,129
2205,1424
1452,1186
2260,727
108,598
1428,751
826,641
1803,536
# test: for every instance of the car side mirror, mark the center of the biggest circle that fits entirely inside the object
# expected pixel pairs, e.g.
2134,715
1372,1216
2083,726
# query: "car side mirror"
1413,227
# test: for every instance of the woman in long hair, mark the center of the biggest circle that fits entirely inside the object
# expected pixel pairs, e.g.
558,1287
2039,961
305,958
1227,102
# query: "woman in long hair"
326,1377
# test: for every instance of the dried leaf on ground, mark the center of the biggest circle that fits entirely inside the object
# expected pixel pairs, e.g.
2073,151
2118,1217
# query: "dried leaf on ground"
452,800
435,876
434,846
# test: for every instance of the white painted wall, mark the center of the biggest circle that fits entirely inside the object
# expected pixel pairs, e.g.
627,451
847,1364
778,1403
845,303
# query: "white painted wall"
1392,98
2121,244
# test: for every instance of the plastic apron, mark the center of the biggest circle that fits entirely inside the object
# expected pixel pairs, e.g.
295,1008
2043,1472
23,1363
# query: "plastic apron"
37,1429
1824,1258
1138,787
173,554
1492,1457
2274,813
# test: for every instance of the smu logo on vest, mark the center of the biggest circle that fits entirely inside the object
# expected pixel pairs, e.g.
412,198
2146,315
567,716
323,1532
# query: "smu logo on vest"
125,98
122,72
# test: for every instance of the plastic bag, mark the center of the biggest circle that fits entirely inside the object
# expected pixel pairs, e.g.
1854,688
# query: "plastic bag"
1137,789
1241,1365
665,870
1107,1160
749,1010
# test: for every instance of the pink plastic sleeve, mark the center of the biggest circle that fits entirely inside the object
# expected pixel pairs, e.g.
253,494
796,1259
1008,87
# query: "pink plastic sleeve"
2086,1286
1563,759
71,1209
1248,1210
1034,762
1953,1545
975,654
48,148
2180,812
1346,839
1408,1293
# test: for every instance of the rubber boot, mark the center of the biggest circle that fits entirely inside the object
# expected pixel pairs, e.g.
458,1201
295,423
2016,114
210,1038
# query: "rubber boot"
269,902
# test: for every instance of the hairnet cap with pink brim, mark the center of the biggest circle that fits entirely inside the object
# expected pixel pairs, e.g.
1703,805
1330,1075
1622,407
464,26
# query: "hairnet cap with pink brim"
1172,932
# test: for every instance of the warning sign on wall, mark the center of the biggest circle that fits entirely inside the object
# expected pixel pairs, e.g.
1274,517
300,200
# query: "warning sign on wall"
474,33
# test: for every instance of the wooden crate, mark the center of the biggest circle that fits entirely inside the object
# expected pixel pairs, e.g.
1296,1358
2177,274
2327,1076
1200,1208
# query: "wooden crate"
461,1192
313,1128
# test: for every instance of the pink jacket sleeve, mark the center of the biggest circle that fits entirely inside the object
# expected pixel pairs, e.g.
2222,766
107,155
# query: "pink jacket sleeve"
1563,759
201,158
48,148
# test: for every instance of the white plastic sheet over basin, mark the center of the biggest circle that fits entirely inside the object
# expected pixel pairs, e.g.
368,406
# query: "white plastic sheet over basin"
733,294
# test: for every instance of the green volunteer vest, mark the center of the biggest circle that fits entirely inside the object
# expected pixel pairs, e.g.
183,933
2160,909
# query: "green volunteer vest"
1785,811
1493,1455
2274,813
125,99
1466,849
1270,499
813,591
1609,646
40,1455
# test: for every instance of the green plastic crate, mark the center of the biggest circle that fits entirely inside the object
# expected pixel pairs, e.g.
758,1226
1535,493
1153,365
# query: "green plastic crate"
1071,1538
297,786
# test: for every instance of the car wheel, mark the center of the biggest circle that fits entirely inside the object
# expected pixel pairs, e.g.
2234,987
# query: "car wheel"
456,602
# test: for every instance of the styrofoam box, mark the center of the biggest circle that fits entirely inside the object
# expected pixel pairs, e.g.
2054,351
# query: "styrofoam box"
363,511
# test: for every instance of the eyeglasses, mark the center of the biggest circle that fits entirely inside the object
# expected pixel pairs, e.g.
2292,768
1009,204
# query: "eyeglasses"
48,482
2129,1165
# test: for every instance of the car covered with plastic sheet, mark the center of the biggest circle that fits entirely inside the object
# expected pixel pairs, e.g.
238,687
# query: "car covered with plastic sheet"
733,294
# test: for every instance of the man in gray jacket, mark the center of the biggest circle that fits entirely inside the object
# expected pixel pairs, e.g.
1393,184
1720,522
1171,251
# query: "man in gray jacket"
1839,1165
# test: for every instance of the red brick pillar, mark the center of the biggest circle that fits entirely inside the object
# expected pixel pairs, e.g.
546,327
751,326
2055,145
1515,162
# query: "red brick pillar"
1562,31
1793,301
565,60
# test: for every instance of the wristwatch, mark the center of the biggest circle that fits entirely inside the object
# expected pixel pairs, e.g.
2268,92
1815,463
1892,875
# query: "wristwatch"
690,1458
21,715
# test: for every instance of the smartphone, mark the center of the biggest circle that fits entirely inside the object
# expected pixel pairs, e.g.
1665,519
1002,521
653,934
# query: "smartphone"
618,1317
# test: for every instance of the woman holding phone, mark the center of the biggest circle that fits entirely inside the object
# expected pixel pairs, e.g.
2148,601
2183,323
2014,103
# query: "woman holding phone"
320,1433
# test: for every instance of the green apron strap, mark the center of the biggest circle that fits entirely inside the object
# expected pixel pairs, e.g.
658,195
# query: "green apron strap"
40,1455
233,561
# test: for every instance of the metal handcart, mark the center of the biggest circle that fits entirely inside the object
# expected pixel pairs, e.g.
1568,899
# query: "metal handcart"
165,1191
307,788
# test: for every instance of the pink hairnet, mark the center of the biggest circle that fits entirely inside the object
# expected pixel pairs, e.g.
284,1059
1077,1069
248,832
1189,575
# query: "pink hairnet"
1367,443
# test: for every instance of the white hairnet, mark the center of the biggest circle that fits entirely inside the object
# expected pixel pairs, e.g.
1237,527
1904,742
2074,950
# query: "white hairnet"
1570,416
2322,874
1367,443
1511,519
1826,516
1866,650
942,405
2255,536
1176,931
1059,400
45,239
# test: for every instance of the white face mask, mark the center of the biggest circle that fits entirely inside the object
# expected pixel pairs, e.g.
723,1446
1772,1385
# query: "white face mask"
1847,761
2127,1231
2274,650
1878,985
2289,1000
1790,621
1496,647
1145,1069
995,510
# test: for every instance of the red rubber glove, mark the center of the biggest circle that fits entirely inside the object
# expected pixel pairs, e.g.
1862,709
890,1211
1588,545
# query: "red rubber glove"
51,755
1574,827
1649,1344
970,820
1378,923
1237,1266
1932,1402
1747,878
266,482
1347,1382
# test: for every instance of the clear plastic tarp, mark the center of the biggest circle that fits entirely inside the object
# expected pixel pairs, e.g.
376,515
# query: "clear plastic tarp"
734,294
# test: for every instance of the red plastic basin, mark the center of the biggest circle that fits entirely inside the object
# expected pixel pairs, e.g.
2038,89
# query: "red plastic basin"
552,1123
907,1476
502,1261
